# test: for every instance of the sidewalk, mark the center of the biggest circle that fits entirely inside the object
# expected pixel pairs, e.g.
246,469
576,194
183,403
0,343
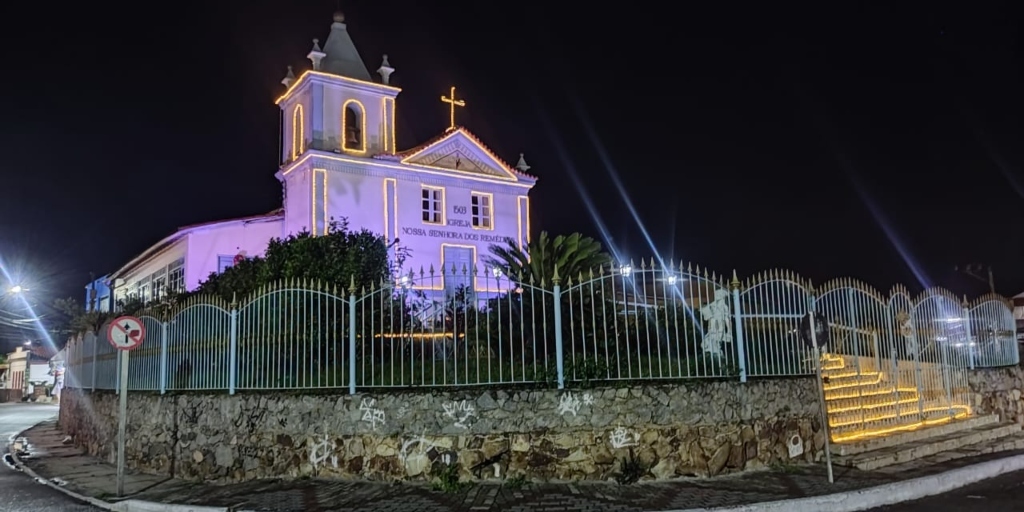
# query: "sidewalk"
65,465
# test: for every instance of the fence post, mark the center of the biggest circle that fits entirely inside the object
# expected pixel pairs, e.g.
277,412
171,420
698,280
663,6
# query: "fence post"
352,336
95,346
233,347
741,350
559,357
967,327
163,358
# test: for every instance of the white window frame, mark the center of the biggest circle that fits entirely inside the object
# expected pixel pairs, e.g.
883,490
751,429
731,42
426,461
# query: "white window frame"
482,210
432,205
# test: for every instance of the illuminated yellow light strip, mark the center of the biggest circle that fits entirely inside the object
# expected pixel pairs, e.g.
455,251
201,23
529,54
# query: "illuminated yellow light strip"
889,416
310,73
490,209
472,140
523,203
910,427
443,209
372,163
383,122
425,335
891,403
312,209
872,393
852,374
344,128
394,140
298,132
878,378
327,225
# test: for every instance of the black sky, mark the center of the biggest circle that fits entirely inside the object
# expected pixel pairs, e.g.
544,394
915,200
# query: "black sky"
746,138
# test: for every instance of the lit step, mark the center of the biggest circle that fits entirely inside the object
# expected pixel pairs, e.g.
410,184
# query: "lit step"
884,396
925,447
885,438
859,390
1014,441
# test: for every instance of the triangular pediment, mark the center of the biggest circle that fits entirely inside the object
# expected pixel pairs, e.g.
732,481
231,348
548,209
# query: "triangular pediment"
460,152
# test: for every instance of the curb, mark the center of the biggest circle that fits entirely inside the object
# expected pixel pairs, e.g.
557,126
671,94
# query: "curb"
120,506
883,495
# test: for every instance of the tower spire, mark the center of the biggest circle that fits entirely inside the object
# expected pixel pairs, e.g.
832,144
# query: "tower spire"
385,71
316,54
522,166
342,57
289,78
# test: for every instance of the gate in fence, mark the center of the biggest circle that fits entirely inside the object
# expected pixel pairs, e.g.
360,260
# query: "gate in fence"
894,363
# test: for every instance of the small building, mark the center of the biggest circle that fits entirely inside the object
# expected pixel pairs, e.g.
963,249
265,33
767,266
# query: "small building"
188,256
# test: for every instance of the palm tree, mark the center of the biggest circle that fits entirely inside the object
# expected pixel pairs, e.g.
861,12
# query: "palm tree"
571,255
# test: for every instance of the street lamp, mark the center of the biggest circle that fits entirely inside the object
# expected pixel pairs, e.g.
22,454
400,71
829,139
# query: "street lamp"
17,289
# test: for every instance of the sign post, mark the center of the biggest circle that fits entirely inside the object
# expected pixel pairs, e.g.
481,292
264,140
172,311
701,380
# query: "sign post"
814,331
124,333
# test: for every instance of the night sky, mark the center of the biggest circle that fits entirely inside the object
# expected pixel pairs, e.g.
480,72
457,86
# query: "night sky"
859,141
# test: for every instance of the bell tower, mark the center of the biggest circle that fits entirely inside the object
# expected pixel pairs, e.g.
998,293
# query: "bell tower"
337,106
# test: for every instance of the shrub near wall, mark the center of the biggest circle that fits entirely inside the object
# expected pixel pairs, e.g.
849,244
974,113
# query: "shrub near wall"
698,429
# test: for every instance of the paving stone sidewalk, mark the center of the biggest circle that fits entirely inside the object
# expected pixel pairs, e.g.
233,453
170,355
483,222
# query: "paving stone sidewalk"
51,458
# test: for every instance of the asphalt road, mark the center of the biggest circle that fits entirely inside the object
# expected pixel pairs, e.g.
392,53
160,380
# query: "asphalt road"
1001,494
18,492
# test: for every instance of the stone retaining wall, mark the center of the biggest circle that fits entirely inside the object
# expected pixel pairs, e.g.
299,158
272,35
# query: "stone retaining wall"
998,390
695,429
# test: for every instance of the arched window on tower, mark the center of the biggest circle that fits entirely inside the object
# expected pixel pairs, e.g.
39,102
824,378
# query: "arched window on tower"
298,132
354,127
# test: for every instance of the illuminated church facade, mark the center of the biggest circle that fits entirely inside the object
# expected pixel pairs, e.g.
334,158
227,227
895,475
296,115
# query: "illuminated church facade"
445,201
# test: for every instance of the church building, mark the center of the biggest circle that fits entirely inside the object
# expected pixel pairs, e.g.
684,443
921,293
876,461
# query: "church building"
445,201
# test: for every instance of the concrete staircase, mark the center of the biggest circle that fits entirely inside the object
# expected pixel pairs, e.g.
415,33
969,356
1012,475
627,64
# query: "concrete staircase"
876,423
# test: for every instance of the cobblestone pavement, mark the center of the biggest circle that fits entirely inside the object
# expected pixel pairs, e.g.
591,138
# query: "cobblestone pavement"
313,495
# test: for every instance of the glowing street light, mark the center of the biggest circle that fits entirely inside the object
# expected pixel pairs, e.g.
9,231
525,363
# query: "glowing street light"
17,289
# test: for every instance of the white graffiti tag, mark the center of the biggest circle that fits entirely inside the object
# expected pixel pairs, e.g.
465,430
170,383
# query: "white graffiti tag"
621,438
371,414
321,451
588,399
569,403
461,412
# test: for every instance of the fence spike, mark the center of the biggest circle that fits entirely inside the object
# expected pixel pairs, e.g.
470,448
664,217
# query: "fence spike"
600,270
554,278
643,264
352,284
431,271
591,273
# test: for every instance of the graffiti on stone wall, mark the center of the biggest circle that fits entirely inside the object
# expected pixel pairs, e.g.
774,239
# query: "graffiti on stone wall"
622,437
371,414
415,455
462,412
322,451
570,403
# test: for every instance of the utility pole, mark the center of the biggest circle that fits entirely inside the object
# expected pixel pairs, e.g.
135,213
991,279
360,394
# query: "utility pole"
977,271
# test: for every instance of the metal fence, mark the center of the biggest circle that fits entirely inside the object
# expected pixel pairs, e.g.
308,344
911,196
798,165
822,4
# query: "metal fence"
623,322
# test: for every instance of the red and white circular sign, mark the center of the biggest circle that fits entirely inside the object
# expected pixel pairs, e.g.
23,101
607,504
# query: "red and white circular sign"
126,332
